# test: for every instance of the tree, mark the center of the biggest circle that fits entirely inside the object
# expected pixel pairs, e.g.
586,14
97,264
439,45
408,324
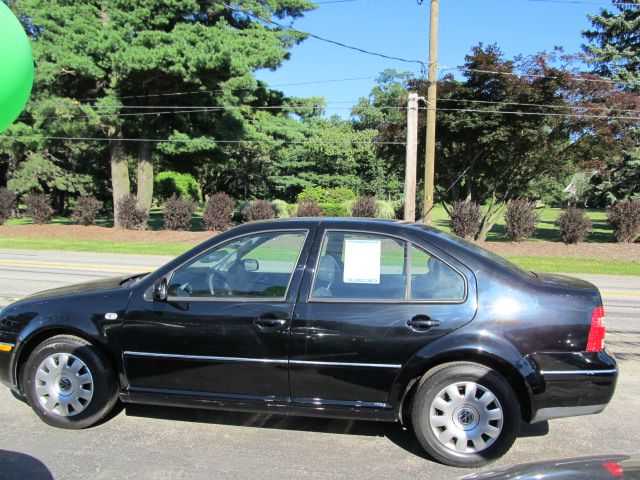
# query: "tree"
111,60
498,152
613,50
614,43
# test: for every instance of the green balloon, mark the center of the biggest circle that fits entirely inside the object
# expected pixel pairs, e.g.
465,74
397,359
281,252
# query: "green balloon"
16,67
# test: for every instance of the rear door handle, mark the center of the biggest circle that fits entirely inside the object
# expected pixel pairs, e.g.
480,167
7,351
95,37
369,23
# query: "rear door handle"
263,322
422,322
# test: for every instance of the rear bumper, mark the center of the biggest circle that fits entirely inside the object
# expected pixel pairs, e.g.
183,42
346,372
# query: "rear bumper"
572,384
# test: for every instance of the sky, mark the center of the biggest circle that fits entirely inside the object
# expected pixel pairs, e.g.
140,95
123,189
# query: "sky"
400,28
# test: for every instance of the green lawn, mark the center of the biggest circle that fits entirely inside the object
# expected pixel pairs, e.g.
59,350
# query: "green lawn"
577,265
99,246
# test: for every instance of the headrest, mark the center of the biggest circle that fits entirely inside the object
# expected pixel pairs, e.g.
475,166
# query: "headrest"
327,269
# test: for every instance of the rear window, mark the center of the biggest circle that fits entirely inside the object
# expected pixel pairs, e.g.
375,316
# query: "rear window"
483,252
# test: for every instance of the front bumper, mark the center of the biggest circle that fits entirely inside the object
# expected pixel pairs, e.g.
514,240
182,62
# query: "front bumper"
570,384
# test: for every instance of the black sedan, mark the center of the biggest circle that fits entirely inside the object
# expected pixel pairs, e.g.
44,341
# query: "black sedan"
345,318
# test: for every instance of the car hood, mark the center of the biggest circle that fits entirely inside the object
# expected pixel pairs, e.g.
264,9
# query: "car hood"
93,286
566,281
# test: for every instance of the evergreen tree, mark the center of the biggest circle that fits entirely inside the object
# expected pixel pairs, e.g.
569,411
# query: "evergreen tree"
106,68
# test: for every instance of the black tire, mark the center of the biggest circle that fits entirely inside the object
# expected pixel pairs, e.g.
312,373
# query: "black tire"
104,387
486,379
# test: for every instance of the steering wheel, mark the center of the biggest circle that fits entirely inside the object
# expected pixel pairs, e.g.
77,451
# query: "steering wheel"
222,289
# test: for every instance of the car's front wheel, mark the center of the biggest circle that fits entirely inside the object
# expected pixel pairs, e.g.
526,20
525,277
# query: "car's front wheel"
69,383
465,414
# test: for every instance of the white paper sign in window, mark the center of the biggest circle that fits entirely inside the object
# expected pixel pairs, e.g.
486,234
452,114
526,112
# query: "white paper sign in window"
362,261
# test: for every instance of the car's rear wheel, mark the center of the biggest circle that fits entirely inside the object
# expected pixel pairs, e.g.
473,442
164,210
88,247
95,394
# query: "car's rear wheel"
69,383
465,414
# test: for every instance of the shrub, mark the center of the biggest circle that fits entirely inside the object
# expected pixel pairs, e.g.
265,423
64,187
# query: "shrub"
258,210
178,212
386,209
86,210
334,209
309,209
339,195
624,217
321,195
281,208
130,216
167,184
39,208
218,212
365,207
465,218
312,194
7,204
520,220
574,225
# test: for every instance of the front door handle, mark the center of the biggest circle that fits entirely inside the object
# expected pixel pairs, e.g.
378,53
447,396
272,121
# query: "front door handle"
265,322
422,322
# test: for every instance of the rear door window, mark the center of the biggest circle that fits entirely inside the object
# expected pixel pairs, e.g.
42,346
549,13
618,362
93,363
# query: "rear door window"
434,280
361,266
364,266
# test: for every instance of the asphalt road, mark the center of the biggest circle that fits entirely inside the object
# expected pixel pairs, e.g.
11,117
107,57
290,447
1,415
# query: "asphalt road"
156,443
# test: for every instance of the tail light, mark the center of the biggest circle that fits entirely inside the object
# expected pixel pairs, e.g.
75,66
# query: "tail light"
595,343
615,469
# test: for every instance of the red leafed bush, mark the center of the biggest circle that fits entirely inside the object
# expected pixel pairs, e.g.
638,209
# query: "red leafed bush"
7,204
365,207
86,210
520,220
309,209
258,210
624,217
218,212
178,212
131,217
574,225
465,218
39,208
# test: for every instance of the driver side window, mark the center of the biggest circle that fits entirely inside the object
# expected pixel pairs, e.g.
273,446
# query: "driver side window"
254,266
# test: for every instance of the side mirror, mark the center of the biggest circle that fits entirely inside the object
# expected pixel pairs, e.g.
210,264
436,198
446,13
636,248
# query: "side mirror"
160,290
251,265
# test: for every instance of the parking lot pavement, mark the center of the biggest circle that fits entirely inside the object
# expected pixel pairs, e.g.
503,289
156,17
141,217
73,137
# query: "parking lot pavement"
157,443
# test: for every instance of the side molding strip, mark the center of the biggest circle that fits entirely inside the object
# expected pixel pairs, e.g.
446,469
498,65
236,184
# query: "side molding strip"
578,372
201,357
260,360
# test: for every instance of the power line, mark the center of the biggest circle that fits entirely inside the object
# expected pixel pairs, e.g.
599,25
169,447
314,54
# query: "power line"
544,114
582,2
538,75
541,105
220,90
324,39
190,140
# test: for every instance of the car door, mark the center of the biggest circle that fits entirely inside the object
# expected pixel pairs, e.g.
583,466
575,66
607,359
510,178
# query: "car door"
223,331
369,302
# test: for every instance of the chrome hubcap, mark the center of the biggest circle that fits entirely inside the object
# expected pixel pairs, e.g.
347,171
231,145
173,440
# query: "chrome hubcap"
64,384
466,417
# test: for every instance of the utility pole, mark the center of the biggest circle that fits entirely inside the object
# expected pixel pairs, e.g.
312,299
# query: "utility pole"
411,167
430,145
